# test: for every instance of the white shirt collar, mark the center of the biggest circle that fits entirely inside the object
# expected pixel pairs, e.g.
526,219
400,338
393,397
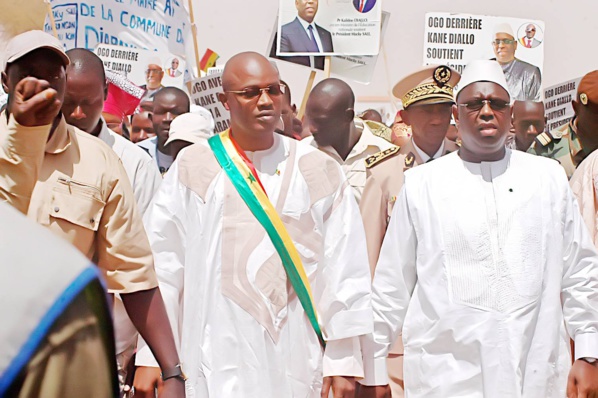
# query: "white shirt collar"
305,24
424,156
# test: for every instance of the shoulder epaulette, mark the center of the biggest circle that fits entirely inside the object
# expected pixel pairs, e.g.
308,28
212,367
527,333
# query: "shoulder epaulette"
380,130
409,160
380,156
544,139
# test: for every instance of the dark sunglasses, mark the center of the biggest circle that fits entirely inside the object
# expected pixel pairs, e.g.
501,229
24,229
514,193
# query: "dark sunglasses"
254,92
477,105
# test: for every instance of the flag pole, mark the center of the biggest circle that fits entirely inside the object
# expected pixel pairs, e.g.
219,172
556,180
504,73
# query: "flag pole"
194,33
52,20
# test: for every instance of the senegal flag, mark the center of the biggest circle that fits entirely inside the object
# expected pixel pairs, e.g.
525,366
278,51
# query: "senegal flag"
208,60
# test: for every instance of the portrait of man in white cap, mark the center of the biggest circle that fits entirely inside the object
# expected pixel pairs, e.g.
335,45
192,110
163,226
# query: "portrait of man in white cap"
153,78
524,79
486,267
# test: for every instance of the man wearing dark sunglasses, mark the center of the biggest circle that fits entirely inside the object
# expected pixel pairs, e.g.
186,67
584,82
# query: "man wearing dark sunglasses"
427,97
529,40
524,79
243,325
487,268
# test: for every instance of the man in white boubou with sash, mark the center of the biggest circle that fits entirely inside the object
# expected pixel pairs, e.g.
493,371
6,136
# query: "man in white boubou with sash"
261,255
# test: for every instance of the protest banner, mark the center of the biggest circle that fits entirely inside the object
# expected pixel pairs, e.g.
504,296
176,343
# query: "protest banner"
134,62
333,27
352,67
456,39
557,103
204,92
147,24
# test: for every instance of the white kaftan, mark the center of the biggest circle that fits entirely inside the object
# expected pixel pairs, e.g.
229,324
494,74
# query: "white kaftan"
473,268
240,327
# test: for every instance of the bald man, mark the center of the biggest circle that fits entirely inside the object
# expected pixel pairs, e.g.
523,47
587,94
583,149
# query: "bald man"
246,322
83,103
336,132
86,90
528,122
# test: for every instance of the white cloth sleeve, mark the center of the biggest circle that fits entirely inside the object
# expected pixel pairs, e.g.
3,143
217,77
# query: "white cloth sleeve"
149,181
580,281
394,281
343,358
165,226
344,284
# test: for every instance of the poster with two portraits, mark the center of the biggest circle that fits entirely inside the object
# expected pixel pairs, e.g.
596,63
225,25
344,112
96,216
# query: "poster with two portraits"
516,43
348,30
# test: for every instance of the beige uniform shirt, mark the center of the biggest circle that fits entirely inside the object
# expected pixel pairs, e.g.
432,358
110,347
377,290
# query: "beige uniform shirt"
384,180
21,154
83,194
354,166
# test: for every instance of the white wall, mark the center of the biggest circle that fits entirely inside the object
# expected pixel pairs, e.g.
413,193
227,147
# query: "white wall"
232,26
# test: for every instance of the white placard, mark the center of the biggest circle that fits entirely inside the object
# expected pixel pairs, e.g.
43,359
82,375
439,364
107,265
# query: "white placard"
456,39
204,92
557,103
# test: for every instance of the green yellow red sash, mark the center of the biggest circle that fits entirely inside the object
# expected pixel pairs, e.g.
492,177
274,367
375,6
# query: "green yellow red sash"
246,181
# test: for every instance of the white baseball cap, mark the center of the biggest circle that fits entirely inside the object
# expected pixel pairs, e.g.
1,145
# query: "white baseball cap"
26,42
191,127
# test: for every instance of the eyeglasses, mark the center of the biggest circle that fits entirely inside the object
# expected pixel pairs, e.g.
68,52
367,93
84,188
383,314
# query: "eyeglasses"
477,105
254,92
498,42
150,71
530,30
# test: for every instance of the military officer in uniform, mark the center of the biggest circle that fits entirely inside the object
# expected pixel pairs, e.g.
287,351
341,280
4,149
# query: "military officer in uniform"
572,142
561,144
427,97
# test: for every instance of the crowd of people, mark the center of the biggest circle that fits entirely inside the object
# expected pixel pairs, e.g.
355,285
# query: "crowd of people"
451,253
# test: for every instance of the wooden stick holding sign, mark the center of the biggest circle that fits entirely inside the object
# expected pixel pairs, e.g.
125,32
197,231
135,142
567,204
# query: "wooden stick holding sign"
310,84
52,20
327,62
194,33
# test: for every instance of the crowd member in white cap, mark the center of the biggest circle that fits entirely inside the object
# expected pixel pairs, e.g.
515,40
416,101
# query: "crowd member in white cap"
487,268
168,104
189,129
524,79
75,185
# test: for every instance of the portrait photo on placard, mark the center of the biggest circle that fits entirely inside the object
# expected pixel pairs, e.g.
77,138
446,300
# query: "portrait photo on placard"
515,43
328,27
